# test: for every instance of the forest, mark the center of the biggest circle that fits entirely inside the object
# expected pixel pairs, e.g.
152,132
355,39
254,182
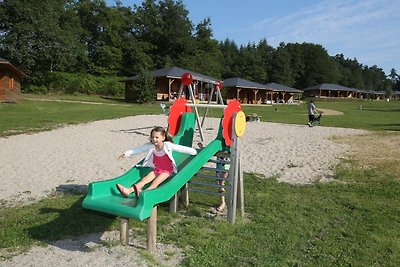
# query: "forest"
87,46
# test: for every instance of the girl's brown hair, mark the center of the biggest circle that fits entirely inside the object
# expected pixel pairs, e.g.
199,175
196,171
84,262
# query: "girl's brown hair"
163,132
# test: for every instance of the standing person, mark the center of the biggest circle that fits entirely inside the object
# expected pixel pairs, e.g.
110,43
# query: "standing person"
312,111
159,157
222,173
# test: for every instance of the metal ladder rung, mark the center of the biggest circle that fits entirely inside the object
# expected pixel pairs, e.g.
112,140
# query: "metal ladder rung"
220,161
214,169
204,191
208,184
211,177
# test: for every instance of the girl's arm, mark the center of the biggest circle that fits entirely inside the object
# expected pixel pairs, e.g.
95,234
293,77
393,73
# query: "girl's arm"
183,149
138,150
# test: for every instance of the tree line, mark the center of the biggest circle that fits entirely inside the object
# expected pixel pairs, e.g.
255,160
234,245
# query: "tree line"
69,40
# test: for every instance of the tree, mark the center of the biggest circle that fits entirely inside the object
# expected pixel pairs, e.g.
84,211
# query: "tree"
319,67
205,56
395,80
297,63
281,68
176,38
375,78
229,57
351,72
87,36
143,89
103,31
38,41
265,51
165,29
250,64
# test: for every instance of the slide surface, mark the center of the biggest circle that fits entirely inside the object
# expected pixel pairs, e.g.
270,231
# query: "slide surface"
103,196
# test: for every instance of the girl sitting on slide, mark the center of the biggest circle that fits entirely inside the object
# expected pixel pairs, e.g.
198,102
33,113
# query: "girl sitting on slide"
159,157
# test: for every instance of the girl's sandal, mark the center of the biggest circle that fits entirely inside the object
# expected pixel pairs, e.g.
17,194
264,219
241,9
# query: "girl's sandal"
136,191
122,190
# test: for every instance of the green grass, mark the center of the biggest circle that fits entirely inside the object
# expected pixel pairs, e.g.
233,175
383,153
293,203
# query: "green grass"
55,218
35,115
77,97
358,114
50,219
352,222
333,224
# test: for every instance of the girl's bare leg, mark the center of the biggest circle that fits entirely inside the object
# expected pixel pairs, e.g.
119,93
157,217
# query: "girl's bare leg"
222,203
158,180
147,179
126,191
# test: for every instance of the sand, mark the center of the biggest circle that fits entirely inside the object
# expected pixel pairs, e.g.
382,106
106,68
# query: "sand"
34,166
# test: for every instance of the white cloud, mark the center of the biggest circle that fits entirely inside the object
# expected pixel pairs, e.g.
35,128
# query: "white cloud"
340,26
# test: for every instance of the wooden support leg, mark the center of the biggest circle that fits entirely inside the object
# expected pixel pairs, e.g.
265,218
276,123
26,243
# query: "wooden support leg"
185,196
124,231
152,231
173,205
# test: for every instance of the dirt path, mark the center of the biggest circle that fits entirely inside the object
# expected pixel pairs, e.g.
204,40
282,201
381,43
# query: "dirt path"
330,112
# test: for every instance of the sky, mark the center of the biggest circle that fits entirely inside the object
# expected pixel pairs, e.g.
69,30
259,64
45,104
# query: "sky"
368,30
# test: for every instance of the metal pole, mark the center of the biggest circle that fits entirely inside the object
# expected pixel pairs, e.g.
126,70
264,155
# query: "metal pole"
169,90
197,113
209,101
220,96
206,105
180,91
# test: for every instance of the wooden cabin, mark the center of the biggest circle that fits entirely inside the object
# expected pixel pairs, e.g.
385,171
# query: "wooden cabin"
245,91
396,95
168,81
248,92
329,90
279,93
337,91
10,82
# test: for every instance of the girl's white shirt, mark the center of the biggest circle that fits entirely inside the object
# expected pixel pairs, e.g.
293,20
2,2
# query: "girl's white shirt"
167,148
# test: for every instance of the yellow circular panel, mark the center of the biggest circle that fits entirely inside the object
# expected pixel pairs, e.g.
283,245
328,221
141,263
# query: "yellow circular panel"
240,124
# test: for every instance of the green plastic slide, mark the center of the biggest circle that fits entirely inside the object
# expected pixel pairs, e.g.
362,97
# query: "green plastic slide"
103,196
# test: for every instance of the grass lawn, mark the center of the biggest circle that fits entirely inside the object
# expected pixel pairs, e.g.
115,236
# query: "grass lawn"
353,221
359,114
37,115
